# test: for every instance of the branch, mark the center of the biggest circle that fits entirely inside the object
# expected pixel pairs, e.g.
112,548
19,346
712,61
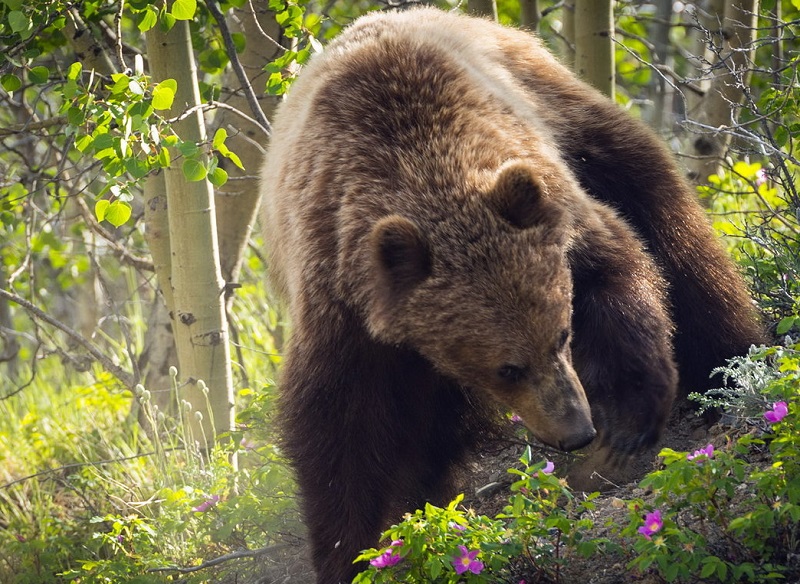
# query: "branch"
121,374
80,465
222,559
218,104
32,126
124,255
230,48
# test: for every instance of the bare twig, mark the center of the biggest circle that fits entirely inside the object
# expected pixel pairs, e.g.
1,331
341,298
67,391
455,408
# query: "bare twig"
121,374
230,48
72,465
218,104
222,559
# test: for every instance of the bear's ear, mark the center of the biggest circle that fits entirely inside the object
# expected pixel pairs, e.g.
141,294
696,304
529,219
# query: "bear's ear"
401,255
518,198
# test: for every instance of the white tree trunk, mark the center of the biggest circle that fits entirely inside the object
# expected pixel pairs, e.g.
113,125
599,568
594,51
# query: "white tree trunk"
719,110
195,279
594,43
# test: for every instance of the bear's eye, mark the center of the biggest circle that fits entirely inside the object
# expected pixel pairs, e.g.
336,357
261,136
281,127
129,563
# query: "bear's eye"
562,339
511,373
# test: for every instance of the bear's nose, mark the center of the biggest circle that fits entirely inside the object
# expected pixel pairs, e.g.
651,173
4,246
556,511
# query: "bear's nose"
578,440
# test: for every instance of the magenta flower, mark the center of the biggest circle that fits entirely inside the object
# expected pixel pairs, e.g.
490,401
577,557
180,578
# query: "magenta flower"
207,504
516,419
652,524
457,526
467,562
388,558
777,413
700,455
549,467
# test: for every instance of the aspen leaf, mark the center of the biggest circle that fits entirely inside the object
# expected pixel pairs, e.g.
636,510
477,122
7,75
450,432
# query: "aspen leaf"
39,75
218,177
164,94
194,170
184,9
118,213
100,208
10,82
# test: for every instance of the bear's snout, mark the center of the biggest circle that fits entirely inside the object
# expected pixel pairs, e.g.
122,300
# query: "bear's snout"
578,440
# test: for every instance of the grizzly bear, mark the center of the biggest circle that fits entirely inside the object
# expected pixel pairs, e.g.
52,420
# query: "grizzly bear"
456,224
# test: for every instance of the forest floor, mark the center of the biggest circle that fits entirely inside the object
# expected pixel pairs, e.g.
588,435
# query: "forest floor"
486,486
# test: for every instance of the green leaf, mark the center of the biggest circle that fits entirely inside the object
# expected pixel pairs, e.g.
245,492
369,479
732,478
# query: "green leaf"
121,83
39,75
118,213
218,143
74,71
218,177
149,19
786,324
184,9
100,208
194,170
166,22
164,158
234,158
709,568
75,116
18,21
188,149
83,143
164,94
10,82
103,141
239,41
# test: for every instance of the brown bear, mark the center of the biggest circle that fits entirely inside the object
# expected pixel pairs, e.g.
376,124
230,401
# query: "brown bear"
456,221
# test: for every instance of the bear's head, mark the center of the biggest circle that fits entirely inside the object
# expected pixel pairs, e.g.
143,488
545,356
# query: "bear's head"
485,294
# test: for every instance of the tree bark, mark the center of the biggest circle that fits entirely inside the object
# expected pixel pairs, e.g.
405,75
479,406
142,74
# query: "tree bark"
594,43
529,14
568,33
661,117
195,279
719,110
483,8
237,200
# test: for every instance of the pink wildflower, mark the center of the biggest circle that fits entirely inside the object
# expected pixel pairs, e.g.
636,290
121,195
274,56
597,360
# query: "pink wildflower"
467,562
207,504
456,526
652,524
777,413
389,557
549,467
516,419
700,455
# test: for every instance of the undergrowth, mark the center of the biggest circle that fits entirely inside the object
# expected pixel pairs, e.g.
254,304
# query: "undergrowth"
725,514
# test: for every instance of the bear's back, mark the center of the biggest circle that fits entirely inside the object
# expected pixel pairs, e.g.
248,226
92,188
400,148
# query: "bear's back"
400,109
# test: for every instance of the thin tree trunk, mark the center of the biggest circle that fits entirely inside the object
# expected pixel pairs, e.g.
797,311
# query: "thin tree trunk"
159,351
198,311
237,200
529,14
483,8
661,118
568,33
720,107
594,43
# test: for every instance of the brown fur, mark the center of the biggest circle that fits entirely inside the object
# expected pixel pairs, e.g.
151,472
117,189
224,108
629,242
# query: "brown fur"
455,220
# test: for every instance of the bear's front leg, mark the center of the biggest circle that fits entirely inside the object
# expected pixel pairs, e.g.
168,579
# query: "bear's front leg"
371,431
621,347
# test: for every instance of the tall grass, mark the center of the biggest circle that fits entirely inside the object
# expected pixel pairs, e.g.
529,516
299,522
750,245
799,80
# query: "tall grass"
89,495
